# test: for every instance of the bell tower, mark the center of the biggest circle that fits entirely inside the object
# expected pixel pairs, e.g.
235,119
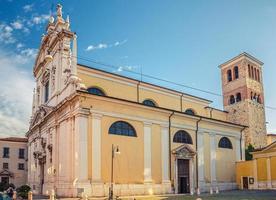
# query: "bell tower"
243,96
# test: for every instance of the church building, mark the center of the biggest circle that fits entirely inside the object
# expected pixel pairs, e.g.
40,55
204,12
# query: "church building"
92,131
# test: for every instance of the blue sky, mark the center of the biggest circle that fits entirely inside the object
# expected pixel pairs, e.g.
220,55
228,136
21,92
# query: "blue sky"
182,41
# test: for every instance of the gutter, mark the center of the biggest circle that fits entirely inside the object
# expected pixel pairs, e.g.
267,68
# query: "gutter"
197,126
170,157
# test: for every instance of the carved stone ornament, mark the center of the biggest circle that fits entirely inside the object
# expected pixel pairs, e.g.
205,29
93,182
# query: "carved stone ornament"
184,152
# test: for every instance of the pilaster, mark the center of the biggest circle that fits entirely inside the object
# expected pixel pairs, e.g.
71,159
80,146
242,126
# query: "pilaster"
147,152
238,149
200,155
255,174
269,183
165,153
96,147
213,159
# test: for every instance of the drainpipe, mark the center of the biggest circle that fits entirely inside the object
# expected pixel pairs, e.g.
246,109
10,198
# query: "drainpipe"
181,106
241,142
170,165
197,126
138,95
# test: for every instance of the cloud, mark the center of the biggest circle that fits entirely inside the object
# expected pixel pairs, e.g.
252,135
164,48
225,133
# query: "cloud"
39,19
126,68
19,45
6,35
104,45
28,7
99,46
16,85
17,24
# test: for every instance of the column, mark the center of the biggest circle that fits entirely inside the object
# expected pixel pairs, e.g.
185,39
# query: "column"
165,153
255,174
191,162
200,143
81,157
96,147
269,183
213,158
147,152
238,149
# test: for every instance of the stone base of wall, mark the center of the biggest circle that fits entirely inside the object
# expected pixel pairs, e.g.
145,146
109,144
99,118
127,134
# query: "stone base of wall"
207,187
102,189
131,189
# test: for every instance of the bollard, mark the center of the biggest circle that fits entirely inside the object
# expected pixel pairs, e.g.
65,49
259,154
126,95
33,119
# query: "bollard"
52,195
30,195
198,191
14,195
211,190
217,190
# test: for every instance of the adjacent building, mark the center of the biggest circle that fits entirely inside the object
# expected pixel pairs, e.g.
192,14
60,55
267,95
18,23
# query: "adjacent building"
259,173
13,162
169,141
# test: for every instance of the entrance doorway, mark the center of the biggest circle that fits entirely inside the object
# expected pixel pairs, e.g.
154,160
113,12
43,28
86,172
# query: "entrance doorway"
245,182
5,180
183,176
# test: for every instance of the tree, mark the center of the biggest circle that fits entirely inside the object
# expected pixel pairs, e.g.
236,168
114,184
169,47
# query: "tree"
248,150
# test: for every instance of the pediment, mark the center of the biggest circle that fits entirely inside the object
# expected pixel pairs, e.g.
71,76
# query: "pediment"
40,114
6,173
184,151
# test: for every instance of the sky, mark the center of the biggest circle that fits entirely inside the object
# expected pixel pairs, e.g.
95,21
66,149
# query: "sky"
177,40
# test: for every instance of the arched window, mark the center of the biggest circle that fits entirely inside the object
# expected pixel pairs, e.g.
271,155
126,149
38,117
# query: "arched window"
190,111
96,91
182,137
252,72
255,73
236,71
122,128
225,143
249,71
229,75
238,97
149,102
232,99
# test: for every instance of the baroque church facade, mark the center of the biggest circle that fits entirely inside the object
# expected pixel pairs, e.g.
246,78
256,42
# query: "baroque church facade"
169,141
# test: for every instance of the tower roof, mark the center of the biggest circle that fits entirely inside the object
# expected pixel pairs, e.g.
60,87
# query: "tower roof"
244,54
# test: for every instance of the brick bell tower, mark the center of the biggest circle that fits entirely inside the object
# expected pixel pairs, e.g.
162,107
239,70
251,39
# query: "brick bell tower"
243,96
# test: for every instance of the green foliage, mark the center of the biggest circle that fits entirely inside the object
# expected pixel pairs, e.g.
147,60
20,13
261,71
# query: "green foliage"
5,186
249,149
23,190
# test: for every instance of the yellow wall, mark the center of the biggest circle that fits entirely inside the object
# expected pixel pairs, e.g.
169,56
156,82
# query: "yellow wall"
273,168
129,165
226,162
261,169
124,88
244,168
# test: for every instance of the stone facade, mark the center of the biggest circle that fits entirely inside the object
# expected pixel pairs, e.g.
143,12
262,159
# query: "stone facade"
249,109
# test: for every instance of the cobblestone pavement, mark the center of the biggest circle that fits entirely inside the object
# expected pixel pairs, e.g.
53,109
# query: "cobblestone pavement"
229,195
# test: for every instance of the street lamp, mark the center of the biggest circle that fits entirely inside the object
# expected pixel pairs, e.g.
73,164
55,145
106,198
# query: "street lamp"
115,150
